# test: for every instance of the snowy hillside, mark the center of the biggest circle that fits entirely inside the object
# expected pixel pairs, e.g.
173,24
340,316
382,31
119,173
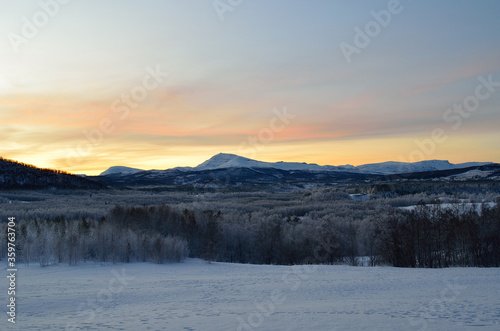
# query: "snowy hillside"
387,168
222,160
198,296
118,170
471,175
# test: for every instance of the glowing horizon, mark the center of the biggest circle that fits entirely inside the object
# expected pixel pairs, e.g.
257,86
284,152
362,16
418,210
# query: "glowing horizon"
102,85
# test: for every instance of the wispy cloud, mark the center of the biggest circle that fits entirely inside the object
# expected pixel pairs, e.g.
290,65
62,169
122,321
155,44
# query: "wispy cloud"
227,78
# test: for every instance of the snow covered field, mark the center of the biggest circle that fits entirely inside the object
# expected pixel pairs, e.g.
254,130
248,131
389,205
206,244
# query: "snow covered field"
195,295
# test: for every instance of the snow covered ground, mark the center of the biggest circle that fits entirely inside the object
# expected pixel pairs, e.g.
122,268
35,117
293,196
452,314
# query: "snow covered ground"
195,295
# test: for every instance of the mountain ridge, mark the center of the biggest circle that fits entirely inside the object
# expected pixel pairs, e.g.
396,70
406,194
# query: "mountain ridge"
226,160
229,170
120,170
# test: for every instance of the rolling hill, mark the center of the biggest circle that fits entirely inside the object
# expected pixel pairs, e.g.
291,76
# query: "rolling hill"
17,175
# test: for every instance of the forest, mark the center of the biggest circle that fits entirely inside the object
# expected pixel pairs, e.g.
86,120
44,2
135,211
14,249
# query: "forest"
19,175
435,227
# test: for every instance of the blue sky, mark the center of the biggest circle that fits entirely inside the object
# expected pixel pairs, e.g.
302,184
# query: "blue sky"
225,78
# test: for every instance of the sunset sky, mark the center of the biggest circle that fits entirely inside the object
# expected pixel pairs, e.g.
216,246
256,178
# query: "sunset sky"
89,84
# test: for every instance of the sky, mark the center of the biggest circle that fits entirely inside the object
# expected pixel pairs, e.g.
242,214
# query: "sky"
85,85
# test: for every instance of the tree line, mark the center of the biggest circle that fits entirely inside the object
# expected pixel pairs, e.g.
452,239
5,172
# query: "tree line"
427,236
57,240
27,165
434,237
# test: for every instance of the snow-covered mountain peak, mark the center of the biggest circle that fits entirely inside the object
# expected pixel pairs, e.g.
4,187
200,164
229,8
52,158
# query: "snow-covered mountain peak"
391,167
119,170
224,160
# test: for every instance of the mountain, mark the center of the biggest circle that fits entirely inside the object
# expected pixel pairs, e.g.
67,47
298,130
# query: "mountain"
390,168
222,160
225,161
18,175
232,177
272,178
488,172
229,170
118,170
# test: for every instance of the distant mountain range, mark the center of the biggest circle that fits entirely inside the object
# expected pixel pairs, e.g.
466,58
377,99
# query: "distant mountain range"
224,161
229,170
225,170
